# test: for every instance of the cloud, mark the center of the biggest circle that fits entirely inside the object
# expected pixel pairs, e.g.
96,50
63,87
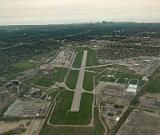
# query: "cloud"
64,11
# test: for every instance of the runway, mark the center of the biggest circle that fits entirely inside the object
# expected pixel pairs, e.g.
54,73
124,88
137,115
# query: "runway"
78,91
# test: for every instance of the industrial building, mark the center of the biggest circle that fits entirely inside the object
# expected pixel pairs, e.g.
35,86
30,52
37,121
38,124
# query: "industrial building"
27,108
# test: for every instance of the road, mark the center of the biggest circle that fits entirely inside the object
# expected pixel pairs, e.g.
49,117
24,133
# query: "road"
35,127
78,91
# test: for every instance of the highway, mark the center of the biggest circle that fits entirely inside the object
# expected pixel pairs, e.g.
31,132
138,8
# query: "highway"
78,91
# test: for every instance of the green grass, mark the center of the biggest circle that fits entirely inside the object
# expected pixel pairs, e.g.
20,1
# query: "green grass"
13,76
82,49
45,82
58,74
100,75
78,60
64,102
121,80
127,75
34,78
43,97
91,58
72,78
133,81
25,65
136,103
41,56
154,85
98,128
53,130
27,88
112,80
142,82
61,114
112,72
122,77
54,94
105,79
88,82
99,69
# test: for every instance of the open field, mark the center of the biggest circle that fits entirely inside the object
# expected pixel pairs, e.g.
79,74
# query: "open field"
127,75
32,62
13,76
142,82
78,60
154,85
88,81
35,78
64,101
54,93
119,77
112,79
58,74
99,69
72,78
133,81
82,49
28,64
97,129
105,79
8,128
121,80
91,58
99,76
17,131
45,82
41,56
51,130
62,116
25,65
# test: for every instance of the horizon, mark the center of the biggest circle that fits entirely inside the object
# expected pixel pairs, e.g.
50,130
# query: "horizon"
44,12
80,23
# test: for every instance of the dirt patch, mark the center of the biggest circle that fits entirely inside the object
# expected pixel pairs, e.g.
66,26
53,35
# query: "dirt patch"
32,61
157,95
44,66
7,126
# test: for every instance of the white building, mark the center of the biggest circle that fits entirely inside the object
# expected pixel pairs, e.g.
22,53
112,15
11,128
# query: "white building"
132,88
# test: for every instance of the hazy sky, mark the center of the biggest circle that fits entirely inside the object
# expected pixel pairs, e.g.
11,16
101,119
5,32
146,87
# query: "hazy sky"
77,11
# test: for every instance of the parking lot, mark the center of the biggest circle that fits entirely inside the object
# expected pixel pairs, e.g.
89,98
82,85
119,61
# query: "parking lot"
63,58
141,123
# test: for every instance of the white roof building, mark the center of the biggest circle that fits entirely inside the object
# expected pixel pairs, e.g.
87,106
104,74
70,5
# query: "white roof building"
117,119
132,88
